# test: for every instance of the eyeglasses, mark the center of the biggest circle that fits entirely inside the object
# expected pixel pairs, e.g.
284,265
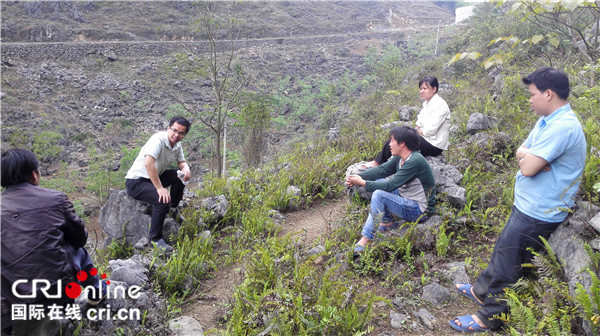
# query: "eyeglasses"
181,134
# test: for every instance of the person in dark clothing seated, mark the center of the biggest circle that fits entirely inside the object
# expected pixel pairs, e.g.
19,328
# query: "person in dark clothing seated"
42,245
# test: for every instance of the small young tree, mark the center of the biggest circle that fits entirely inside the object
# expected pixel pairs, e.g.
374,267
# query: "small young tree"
225,77
254,119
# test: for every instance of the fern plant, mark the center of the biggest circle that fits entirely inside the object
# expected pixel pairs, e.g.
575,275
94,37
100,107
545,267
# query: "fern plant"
542,306
589,302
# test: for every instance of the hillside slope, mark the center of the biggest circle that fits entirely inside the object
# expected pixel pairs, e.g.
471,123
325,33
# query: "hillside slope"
104,71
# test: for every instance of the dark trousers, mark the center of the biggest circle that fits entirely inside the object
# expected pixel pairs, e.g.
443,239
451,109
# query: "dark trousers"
505,267
142,189
82,262
425,147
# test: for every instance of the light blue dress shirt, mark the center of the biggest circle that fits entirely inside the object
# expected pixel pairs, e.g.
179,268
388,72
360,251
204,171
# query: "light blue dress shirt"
558,139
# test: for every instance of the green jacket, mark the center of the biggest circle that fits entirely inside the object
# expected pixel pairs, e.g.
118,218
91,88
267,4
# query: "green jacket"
413,179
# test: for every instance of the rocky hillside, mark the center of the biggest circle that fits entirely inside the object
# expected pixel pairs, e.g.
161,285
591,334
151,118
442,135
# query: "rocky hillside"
45,21
103,72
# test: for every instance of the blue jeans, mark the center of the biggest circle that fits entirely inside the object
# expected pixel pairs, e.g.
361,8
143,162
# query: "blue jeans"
384,204
511,251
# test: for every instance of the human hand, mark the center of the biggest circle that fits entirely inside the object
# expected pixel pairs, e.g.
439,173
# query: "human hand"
187,174
546,168
354,179
419,130
163,195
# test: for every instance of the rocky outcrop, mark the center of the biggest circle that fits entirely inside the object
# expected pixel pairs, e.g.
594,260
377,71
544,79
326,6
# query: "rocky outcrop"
569,242
123,218
479,122
185,326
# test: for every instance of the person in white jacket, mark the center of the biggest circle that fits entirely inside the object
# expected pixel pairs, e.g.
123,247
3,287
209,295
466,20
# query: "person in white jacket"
433,123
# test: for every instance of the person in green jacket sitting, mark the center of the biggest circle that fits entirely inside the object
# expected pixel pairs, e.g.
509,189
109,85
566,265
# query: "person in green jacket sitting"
403,186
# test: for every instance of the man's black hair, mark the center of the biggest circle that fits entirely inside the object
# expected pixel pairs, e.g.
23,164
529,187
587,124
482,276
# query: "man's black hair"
181,121
548,78
17,166
432,81
406,134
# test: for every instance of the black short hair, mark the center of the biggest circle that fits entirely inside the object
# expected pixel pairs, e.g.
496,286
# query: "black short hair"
181,121
406,134
549,78
432,81
17,166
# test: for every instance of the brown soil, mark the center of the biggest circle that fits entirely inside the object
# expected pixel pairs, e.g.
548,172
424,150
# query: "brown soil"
216,292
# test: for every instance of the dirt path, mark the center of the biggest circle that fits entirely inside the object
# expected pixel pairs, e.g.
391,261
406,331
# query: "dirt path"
217,291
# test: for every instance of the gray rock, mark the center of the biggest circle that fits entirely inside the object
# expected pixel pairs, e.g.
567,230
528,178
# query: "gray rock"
206,235
315,250
436,294
278,218
391,125
170,229
570,251
361,191
141,244
109,54
426,233
456,273
444,174
295,194
219,205
595,244
478,122
405,113
425,317
43,327
143,302
118,302
107,101
185,326
122,216
587,206
387,333
333,134
129,271
454,130
456,196
595,222
399,303
117,296
397,320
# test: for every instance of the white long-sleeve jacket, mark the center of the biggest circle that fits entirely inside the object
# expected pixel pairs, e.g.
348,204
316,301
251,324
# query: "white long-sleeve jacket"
434,121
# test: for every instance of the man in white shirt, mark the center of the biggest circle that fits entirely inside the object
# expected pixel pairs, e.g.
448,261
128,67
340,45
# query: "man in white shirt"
148,177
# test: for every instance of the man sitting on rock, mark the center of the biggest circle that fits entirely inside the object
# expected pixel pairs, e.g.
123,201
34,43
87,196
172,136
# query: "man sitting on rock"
551,162
42,239
403,186
148,177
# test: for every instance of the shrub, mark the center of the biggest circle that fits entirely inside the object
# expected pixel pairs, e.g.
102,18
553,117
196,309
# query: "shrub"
192,260
46,145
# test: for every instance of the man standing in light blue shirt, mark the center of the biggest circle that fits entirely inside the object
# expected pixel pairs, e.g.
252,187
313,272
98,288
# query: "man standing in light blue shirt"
551,162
